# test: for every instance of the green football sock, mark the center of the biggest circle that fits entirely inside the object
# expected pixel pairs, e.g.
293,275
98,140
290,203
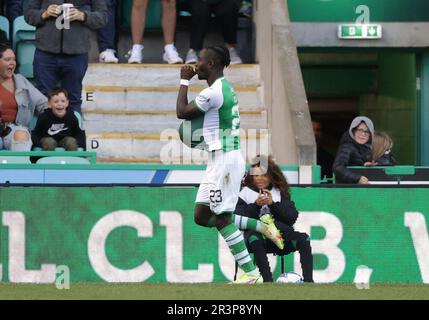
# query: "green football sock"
246,223
234,239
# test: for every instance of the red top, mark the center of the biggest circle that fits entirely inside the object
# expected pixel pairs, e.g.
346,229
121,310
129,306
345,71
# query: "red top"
8,105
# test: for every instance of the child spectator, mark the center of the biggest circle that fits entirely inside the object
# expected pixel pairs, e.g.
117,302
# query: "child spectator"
382,146
58,126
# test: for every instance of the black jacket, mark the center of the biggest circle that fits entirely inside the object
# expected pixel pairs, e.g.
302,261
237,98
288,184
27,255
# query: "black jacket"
283,211
350,153
48,125
387,159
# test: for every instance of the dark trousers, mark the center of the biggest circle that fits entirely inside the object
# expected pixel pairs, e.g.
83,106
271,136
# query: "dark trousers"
294,241
226,12
13,10
68,143
106,35
52,70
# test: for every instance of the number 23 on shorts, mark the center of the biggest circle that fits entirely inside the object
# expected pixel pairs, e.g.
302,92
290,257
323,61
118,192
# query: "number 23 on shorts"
215,196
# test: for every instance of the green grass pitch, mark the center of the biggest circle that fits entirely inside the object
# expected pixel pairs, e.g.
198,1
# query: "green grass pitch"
213,291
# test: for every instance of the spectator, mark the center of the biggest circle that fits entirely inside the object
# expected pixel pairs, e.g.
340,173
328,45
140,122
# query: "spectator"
3,38
13,10
382,146
226,12
19,102
58,125
324,158
138,17
354,150
266,196
246,8
62,45
106,35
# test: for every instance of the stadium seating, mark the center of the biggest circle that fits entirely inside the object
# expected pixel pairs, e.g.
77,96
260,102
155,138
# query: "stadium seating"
63,160
153,15
24,36
14,159
4,25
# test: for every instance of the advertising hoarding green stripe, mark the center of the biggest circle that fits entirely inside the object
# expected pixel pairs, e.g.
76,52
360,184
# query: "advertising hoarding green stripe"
135,234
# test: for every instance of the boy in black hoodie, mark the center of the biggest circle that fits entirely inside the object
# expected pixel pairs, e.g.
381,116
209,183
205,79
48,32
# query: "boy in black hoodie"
58,126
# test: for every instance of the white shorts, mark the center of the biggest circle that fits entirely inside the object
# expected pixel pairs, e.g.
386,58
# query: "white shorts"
221,184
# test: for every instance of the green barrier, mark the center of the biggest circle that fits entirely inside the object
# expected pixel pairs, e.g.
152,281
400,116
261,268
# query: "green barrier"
12,157
136,234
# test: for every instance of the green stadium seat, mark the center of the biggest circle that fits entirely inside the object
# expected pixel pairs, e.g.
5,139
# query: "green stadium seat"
24,36
4,25
63,160
56,149
153,15
79,119
14,159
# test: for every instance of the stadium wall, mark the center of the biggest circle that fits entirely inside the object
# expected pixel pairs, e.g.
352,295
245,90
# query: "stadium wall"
147,234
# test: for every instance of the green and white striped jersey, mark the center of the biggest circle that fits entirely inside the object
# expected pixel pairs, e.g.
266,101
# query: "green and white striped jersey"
221,125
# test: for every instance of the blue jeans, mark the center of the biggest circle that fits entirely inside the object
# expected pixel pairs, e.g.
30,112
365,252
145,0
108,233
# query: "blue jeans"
9,143
106,35
51,70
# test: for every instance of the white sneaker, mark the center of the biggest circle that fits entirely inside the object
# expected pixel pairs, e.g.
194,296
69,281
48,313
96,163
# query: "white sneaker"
235,58
108,56
170,55
135,54
191,57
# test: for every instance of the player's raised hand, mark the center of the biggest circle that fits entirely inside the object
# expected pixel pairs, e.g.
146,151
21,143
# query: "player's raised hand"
187,72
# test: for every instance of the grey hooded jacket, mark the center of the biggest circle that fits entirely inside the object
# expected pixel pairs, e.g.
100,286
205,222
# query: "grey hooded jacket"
51,34
30,101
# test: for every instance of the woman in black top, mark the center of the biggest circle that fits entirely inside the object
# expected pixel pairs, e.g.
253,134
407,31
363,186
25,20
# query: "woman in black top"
354,150
266,194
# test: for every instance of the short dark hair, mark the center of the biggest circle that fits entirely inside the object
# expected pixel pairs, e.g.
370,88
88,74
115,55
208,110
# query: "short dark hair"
57,91
3,47
221,56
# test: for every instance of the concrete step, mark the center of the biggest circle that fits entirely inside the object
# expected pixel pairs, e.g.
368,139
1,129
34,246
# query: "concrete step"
154,98
163,147
98,121
131,75
129,112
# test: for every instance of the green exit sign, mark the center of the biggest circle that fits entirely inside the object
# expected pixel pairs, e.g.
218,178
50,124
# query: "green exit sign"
359,31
